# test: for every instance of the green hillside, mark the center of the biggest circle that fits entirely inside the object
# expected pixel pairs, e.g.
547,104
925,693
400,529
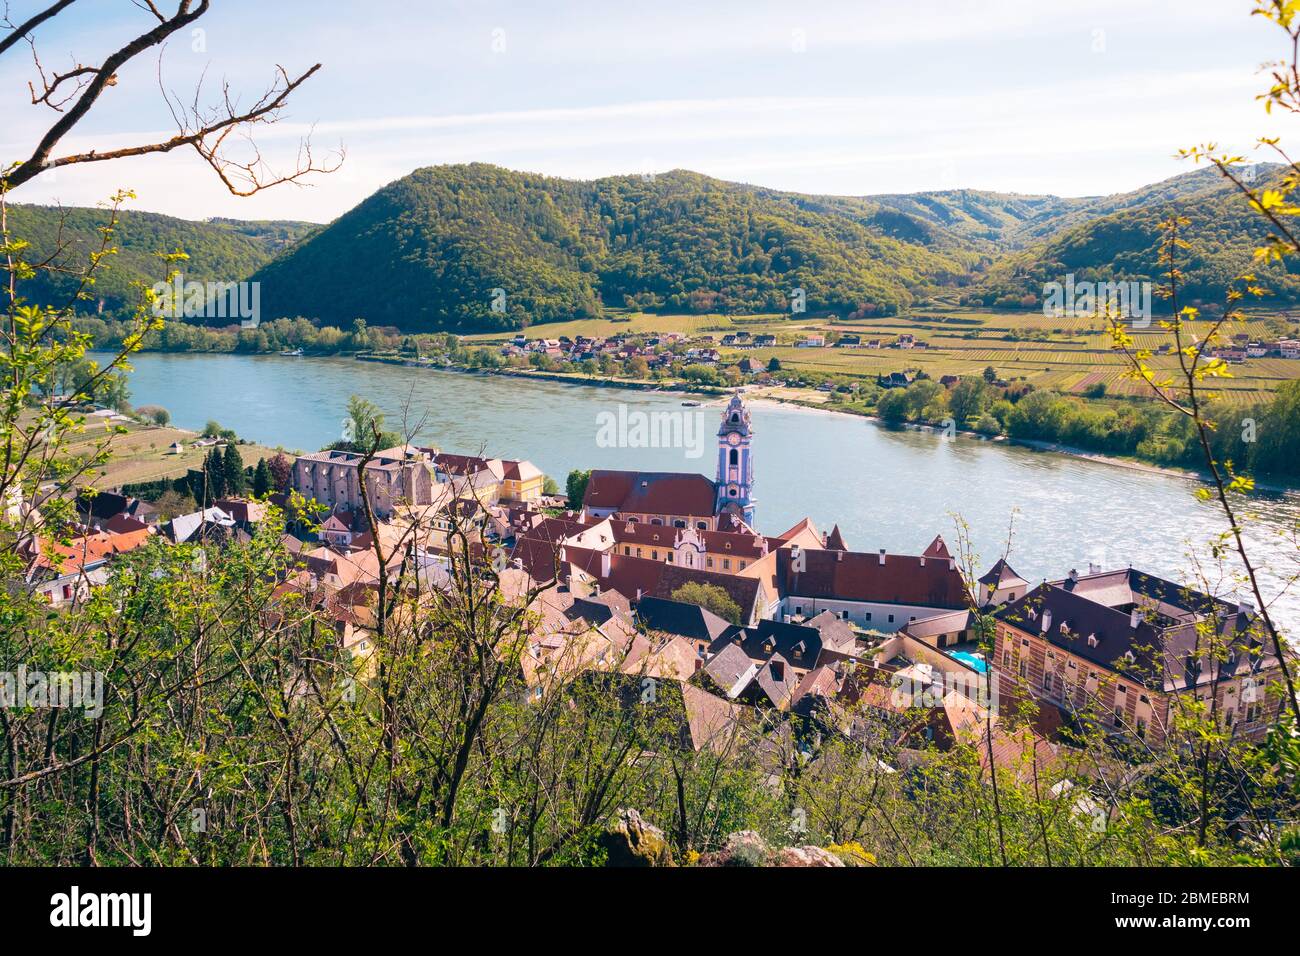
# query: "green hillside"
478,248
1119,239
427,251
226,250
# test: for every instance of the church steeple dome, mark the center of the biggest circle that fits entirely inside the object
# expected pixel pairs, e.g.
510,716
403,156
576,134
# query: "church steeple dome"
735,481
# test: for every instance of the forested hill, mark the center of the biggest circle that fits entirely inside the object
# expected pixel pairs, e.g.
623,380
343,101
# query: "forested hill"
1120,239
427,251
479,248
219,250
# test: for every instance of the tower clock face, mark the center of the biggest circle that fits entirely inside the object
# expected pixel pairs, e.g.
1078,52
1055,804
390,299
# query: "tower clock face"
733,438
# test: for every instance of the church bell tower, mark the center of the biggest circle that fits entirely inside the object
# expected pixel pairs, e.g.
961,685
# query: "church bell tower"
735,481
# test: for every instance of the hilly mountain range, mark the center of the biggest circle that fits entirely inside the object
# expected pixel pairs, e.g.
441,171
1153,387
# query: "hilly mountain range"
478,248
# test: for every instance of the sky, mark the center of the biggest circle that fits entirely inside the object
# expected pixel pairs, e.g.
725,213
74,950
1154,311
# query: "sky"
852,98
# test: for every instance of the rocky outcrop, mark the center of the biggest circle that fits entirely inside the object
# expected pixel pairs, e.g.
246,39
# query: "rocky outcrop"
747,848
631,841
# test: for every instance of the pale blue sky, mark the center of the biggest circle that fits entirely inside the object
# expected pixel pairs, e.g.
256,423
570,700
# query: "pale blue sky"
1061,96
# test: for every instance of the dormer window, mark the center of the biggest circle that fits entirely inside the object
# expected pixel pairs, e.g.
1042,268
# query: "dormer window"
1092,640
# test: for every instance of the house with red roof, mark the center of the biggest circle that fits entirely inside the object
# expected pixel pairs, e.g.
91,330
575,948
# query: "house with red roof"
876,591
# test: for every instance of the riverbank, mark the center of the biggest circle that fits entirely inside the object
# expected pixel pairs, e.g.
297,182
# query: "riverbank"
814,402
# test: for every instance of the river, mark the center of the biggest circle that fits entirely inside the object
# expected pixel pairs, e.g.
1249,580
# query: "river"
885,488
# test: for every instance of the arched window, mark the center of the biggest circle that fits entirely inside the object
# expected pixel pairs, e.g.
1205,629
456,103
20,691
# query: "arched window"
735,457
735,418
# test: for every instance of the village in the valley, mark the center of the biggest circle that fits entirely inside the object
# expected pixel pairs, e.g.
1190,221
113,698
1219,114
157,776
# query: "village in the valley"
665,579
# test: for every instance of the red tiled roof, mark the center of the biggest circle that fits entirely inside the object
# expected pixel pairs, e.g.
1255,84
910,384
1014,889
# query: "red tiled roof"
854,576
663,493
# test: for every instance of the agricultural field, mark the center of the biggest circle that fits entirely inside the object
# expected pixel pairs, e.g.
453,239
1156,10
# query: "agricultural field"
1067,354
143,454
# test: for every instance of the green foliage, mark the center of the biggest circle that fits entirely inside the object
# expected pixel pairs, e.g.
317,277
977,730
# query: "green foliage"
262,481
710,597
219,250
576,487
440,241
154,413
232,468
1121,241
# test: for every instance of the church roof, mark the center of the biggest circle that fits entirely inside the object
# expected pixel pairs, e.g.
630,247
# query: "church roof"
835,540
651,492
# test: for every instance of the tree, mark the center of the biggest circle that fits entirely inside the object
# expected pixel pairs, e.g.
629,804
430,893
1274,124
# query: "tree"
774,364
893,406
262,481
210,481
550,486
968,399
711,597
232,466
154,413
576,487
990,374
281,469
364,426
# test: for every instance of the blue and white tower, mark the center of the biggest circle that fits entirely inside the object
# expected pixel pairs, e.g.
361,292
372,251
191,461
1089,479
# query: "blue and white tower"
735,482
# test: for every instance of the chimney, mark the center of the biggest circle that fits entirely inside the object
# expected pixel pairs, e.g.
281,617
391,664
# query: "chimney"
604,564
1134,618
1074,574
882,555
839,555
952,564
922,560
1047,621
1094,568
1245,608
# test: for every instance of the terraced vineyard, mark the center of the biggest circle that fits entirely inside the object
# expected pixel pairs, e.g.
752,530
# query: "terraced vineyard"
1067,354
